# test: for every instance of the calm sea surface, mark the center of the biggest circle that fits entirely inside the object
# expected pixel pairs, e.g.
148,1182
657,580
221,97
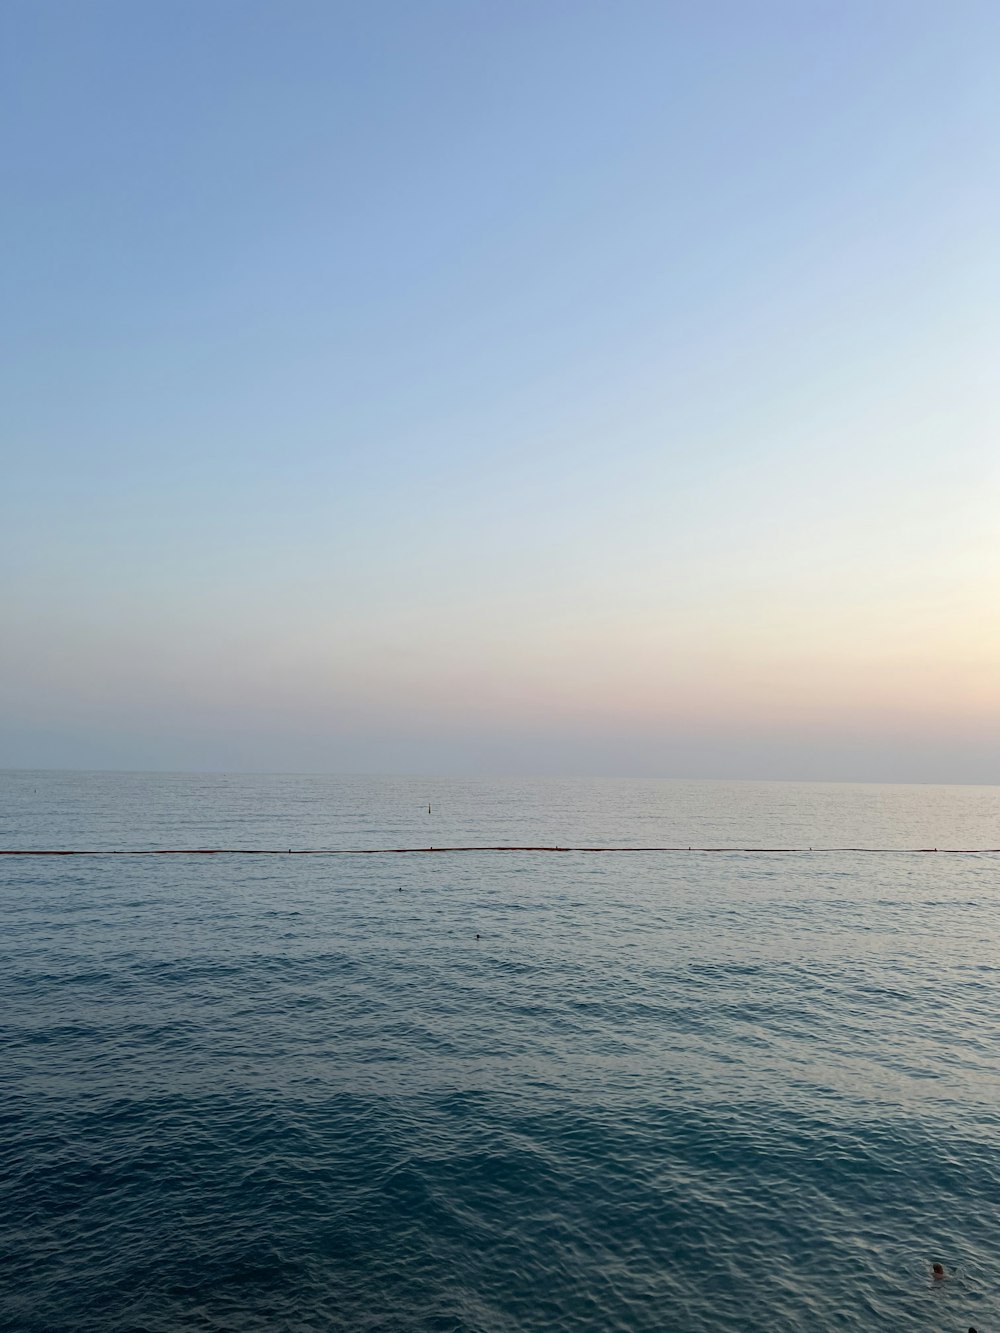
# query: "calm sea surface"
661,1091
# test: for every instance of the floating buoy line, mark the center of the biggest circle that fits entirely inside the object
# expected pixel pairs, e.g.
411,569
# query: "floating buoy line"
437,851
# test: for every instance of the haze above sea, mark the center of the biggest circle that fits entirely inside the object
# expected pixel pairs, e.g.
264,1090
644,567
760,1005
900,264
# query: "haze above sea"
498,1091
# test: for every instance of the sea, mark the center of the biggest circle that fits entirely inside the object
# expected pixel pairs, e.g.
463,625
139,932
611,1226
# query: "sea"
728,1089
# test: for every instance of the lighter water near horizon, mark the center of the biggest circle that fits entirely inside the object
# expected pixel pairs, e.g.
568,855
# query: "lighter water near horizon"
661,1091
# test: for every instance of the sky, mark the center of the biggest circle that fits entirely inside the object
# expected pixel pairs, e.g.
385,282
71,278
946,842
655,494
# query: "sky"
501,386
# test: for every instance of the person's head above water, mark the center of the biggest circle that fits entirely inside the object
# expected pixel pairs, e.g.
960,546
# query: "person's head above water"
937,1270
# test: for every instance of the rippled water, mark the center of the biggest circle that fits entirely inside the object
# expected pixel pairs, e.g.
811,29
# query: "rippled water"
660,1091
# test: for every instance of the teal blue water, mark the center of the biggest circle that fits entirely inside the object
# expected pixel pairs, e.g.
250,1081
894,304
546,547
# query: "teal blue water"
659,1092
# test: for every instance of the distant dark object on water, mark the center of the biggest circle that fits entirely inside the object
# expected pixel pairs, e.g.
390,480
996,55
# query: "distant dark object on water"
938,1270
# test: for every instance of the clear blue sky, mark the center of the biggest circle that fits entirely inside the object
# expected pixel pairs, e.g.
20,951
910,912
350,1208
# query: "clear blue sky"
519,387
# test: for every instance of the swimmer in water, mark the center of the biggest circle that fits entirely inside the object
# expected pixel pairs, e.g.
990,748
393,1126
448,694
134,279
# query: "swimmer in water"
938,1271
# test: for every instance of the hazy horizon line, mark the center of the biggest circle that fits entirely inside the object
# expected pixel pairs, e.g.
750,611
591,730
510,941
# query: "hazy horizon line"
488,777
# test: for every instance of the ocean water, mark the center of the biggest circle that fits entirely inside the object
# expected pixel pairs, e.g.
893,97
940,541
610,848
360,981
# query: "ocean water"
660,1091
